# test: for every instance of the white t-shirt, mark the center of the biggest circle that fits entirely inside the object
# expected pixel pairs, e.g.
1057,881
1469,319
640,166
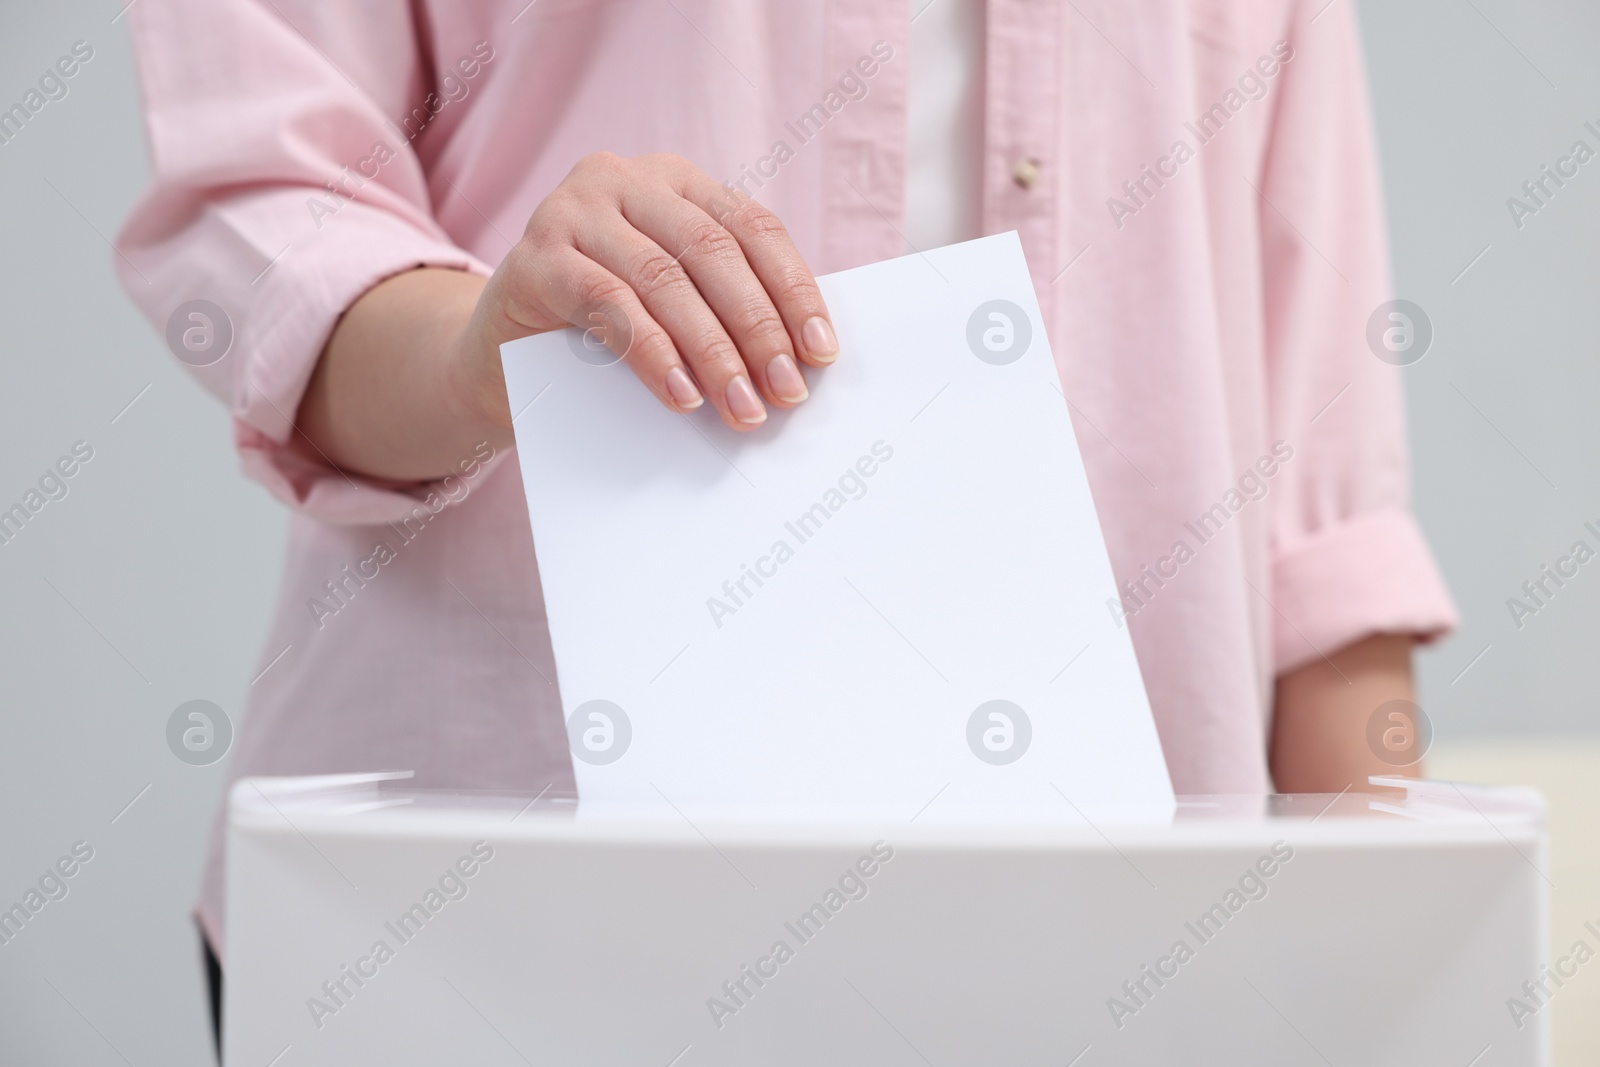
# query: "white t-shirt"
944,161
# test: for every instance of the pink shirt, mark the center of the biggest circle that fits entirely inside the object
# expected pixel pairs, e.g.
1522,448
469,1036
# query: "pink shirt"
1207,305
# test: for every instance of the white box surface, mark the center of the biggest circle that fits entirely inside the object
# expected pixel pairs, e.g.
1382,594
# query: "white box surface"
1393,934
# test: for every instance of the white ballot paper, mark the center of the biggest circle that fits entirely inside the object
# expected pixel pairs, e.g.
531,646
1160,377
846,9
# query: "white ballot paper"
890,598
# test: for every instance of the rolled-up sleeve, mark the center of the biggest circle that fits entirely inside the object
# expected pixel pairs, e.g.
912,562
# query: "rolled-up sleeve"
284,186
1348,558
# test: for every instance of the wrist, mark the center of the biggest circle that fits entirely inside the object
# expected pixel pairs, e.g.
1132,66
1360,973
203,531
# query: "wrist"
472,385
474,388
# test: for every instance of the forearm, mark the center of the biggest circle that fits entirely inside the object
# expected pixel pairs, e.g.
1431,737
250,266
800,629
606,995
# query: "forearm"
1319,733
392,396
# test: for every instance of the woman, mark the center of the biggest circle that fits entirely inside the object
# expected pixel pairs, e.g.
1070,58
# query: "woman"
377,193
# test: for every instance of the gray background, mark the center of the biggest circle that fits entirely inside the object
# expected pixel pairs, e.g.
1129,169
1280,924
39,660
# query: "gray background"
150,584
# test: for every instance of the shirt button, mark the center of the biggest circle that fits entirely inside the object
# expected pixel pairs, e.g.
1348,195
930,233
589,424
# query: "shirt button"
1026,173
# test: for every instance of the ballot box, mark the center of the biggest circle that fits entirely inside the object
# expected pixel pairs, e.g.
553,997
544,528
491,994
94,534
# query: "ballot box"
371,923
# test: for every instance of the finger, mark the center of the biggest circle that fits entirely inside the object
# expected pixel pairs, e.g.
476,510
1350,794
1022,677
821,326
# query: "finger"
775,260
587,295
666,291
716,264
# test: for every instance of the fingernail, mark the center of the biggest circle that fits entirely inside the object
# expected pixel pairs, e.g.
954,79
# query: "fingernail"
744,403
785,379
682,390
820,341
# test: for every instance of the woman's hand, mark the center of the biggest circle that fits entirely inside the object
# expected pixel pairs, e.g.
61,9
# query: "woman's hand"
700,289
1319,732
697,287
